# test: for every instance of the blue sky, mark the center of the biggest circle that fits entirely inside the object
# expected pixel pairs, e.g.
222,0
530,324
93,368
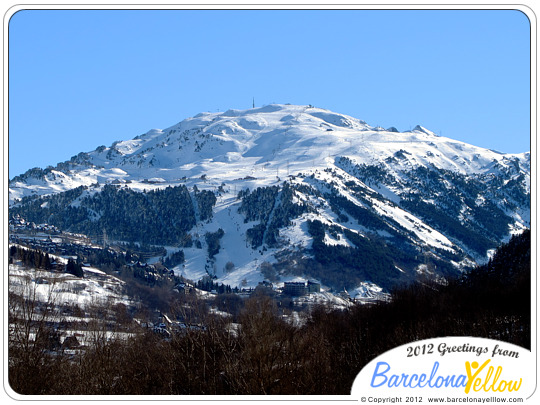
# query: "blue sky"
84,78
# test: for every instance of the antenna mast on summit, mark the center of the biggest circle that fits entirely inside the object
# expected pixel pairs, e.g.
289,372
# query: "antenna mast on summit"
253,102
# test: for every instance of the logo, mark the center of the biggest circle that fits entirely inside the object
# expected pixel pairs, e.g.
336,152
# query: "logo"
489,382
457,366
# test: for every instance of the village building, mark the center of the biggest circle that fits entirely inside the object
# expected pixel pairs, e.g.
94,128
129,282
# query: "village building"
294,288
313,287
298,289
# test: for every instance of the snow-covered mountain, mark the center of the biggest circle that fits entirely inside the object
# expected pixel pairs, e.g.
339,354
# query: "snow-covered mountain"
306,191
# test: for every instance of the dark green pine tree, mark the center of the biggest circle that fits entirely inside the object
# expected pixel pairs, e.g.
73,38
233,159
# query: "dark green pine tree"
46,262
74,268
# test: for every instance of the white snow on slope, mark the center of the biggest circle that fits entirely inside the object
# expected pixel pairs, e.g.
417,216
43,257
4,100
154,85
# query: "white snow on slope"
265,143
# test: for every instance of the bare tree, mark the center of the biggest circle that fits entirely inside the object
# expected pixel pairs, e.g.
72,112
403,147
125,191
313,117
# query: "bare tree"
34,329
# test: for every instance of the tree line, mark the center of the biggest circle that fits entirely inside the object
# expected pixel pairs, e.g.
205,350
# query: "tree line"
30,257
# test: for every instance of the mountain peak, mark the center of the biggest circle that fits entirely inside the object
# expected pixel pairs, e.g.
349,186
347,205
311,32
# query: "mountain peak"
268,142
420,128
